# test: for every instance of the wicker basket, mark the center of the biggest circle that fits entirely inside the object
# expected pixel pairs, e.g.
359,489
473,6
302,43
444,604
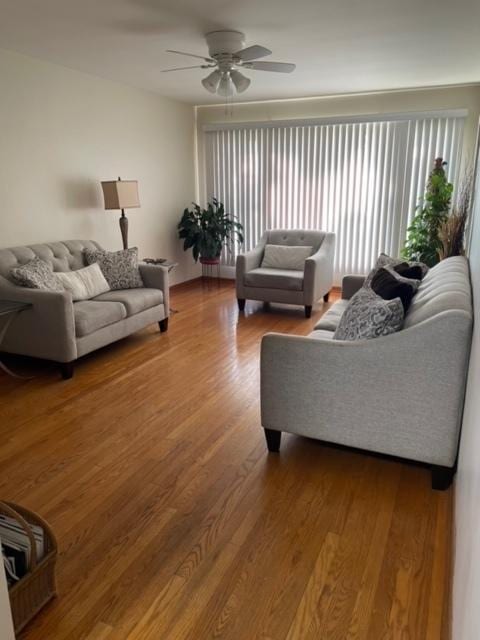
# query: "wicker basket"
38,586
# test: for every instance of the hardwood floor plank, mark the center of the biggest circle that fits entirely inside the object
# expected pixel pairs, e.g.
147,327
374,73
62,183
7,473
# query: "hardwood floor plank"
174,522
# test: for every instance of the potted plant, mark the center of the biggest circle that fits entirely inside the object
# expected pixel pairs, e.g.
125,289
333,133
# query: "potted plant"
208,231
423,242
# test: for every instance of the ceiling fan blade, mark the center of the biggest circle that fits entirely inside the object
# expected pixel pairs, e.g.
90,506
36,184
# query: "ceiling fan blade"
279,67
195,66
192,55
252,53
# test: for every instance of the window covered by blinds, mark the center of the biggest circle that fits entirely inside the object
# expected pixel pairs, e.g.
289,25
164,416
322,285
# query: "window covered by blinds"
361,180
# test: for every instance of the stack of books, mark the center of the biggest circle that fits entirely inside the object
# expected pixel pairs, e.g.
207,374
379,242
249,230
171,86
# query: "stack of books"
16,547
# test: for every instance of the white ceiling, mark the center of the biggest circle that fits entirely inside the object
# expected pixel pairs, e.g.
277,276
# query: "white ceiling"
339,46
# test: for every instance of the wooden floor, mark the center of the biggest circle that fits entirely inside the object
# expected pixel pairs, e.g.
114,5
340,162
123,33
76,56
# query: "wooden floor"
174,522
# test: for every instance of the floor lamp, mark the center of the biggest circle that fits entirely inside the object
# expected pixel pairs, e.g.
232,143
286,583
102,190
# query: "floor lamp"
121,194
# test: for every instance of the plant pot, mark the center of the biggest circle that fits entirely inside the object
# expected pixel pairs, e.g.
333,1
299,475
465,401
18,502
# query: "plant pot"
209,261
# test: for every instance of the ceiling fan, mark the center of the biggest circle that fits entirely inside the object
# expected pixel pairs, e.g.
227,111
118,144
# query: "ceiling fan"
227,54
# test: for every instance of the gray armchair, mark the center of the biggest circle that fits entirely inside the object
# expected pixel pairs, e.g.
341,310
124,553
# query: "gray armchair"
286,286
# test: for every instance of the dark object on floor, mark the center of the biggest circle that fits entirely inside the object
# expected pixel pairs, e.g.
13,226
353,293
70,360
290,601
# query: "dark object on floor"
163,324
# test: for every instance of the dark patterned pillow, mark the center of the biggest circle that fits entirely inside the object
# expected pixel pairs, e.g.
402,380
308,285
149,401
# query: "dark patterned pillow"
120,268
411,270
382,261
36,274
368,316
389,284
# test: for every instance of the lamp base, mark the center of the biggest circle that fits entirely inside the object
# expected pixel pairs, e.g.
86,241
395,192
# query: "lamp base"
124,229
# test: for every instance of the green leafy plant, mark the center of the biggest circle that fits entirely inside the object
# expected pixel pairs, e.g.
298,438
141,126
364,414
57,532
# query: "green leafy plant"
423,242
208,231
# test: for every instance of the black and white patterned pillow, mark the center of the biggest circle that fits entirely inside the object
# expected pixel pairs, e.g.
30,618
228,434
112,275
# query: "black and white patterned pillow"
120,268
36,274
368,316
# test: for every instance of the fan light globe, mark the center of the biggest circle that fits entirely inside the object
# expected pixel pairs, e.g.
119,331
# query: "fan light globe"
226,88
240,81
212,81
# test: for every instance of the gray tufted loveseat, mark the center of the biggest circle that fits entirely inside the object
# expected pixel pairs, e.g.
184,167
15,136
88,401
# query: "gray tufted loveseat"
55,328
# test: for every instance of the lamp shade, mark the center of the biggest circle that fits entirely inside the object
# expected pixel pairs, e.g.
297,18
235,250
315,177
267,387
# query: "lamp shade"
226,87
121,194
212,81
240,81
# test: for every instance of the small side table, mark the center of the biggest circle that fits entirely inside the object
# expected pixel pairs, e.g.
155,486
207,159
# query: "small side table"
9,310
161,262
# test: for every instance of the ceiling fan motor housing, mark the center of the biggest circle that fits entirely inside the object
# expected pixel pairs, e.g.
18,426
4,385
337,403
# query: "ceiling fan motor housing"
224,42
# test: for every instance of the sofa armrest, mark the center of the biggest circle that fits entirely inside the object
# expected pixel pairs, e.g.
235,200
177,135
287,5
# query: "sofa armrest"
350,285
47,329
156,277
318,275
400,394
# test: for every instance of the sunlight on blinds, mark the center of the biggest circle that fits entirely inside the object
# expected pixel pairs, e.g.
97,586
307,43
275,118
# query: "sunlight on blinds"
361,180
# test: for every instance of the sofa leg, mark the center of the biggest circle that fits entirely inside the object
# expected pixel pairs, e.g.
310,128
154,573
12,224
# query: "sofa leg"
273,439
163,324
308,310
241,304
326,296
442,477
66,369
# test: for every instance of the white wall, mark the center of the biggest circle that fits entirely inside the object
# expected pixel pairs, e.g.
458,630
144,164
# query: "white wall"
62,132
466,97
466,582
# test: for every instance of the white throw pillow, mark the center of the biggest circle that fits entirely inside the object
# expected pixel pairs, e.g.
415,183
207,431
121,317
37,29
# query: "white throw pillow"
84,283
281,256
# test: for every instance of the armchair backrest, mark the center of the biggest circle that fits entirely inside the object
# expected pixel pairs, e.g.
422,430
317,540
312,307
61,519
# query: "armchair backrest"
294,237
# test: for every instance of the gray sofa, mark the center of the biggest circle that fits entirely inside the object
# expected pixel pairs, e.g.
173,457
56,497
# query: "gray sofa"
55,328
400,394
304,288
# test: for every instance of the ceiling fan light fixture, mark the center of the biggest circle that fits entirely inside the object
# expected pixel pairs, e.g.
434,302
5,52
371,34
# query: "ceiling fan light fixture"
240,81
226,88
212,81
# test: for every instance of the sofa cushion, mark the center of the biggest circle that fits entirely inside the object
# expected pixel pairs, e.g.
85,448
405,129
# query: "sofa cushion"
134,300
369,316
91,315
84,283
274,279
120,268
321,334
330,319
278,256
36,274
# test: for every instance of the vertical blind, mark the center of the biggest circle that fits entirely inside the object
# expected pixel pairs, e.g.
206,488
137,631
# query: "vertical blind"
361,180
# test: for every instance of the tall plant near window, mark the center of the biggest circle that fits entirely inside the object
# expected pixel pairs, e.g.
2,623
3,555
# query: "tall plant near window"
423,242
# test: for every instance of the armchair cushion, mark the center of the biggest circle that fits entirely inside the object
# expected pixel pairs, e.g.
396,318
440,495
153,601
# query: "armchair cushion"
274,279
91,315
134,300
277,256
